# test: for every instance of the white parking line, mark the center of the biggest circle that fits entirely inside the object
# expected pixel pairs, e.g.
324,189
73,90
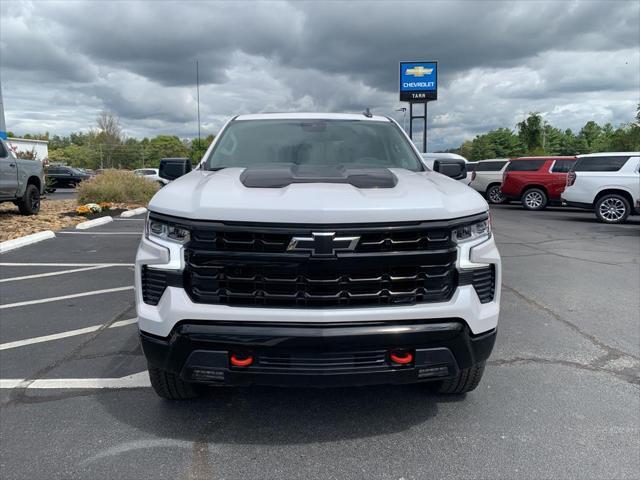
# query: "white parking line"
15,264
69,333
65,297
51,274
129,219
137,380
100,233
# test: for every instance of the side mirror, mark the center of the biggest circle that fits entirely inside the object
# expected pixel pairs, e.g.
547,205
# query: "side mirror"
172,168
453,168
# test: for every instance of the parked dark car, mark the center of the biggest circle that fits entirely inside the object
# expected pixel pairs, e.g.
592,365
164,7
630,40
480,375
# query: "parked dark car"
65,177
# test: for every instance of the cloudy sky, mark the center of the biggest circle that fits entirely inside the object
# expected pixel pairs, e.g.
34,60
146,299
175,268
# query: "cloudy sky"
63,62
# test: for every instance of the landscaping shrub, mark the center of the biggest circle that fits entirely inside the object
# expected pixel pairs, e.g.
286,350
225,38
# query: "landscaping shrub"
116,186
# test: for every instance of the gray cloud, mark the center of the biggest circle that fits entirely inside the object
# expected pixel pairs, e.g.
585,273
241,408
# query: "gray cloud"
61,62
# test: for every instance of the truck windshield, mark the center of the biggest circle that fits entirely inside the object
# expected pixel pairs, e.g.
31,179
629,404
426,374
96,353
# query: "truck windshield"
350,143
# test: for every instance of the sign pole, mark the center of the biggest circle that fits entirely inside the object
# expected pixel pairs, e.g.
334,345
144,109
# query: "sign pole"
411,120
424,131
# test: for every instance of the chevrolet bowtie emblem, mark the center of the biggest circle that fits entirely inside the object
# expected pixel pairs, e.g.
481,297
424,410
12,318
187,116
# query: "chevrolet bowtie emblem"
323,244
418,71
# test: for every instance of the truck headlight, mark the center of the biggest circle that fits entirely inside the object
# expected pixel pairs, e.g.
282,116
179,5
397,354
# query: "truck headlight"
472,231
166,231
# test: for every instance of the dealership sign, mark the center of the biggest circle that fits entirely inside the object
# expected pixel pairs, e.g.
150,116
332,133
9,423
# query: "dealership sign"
418,81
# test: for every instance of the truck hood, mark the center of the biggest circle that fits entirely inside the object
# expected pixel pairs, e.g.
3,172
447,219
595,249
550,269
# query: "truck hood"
221,196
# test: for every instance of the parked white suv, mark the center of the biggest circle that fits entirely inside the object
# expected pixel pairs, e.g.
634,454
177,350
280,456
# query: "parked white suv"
316,249
150,174
487,178
608,183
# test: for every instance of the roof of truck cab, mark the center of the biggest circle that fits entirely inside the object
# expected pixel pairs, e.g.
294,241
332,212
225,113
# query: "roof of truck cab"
312,116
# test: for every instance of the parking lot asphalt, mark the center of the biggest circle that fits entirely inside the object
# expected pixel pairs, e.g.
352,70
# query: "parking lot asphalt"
560,397
63,194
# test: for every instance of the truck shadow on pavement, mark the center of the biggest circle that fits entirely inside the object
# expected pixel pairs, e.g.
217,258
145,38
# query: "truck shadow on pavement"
264,415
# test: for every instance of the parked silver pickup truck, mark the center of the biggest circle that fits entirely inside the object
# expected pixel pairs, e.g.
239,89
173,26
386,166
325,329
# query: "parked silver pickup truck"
21,181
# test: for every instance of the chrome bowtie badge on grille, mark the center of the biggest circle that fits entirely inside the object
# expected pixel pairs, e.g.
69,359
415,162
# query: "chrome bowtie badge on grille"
323,244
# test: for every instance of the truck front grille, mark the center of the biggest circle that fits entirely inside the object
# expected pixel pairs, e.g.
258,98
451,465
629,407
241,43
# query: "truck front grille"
389,266
373,241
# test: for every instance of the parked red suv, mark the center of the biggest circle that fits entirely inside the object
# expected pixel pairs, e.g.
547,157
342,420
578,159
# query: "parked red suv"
536,181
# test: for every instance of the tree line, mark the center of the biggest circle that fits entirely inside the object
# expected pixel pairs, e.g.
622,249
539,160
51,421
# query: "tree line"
106,146
535,136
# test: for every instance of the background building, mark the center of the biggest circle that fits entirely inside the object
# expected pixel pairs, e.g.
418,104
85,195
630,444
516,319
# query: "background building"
26,145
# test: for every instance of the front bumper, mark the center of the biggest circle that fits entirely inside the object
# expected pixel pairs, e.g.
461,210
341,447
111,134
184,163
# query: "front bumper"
175,306
317,355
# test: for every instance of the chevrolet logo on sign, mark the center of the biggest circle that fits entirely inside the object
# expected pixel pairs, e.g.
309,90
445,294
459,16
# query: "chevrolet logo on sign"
418,71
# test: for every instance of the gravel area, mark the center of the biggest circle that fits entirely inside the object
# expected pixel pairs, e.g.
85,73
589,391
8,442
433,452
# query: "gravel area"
51,217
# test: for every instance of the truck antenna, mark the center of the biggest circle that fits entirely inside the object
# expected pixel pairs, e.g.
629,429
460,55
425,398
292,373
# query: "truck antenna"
198,97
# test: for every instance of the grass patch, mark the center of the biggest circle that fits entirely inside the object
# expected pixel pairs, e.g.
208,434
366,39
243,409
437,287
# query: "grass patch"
116,186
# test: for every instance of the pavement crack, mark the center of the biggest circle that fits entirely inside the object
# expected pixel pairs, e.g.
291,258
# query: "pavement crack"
200,468
133,353
604,363
628,375
592,338
19,394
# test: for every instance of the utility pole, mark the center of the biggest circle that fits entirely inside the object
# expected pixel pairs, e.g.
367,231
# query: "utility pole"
3,127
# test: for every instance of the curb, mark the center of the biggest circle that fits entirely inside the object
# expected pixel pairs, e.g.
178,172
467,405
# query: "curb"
26,240
134,212
94,223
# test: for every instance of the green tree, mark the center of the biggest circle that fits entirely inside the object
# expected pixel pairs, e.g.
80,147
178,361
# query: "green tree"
531,132
552,140
198,148
162,146
589,137
466,149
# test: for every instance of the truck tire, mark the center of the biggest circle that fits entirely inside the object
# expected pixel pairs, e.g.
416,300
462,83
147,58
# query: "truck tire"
466,381
612,208
534,199
29,204
170,386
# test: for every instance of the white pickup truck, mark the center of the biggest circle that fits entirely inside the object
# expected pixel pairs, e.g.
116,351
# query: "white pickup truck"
316,249
21,181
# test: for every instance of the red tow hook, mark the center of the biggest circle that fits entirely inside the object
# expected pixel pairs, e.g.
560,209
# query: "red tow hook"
240,359
401,357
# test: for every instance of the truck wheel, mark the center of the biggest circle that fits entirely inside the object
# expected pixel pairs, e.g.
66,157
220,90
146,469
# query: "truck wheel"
612,208
495,195
467,380
171,386
534,199
29,204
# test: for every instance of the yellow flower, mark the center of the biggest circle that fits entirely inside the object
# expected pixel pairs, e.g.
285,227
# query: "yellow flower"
82,210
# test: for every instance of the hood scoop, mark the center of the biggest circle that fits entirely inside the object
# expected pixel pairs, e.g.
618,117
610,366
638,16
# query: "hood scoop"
283,175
